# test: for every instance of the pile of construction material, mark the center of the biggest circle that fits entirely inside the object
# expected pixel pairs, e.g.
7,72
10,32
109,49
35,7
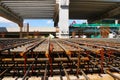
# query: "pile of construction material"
59,59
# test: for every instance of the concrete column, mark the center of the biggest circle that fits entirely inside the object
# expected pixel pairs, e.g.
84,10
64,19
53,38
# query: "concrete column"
116,21
55,24
63,19
21,32
3,35
27,30
73,34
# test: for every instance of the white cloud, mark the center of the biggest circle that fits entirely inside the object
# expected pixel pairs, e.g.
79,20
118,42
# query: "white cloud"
49,21
3,20
7,23
11,26
43,29
13,29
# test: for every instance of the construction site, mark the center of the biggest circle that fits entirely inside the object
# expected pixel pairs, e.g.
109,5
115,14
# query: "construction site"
88,51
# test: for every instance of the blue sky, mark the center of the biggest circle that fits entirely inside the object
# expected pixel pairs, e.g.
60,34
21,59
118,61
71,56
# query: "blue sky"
40,22
34,22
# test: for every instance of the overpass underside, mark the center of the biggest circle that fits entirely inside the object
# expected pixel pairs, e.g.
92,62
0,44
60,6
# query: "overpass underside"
60,11
94,9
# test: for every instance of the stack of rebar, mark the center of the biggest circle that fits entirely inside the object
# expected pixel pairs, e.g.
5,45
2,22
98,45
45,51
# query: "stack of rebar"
60,59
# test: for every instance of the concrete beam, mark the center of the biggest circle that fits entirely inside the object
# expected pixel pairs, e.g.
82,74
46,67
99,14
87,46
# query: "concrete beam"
56,15
96,0
109,14
8,14
114,12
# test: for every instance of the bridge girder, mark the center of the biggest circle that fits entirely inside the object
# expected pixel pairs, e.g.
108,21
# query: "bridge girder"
107,15
8,14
